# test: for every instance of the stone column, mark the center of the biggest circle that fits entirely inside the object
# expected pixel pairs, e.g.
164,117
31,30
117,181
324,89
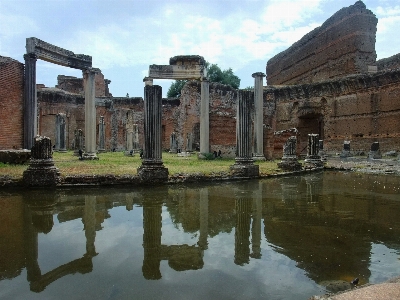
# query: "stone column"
203,243
205,116
258,152
321,151
289,160
173,144
313,160
30,101
60,133
78,141
90,113
244,163
152,168
136,137
102,135
189,142
374,152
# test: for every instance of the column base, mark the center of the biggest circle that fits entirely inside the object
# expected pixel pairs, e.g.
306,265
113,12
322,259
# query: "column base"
89,156
290,164
245,170
259,157
313,162
41,173
152,173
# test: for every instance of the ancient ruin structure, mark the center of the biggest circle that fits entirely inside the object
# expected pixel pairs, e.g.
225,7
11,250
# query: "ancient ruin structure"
336,90
313,159
244,163
41,171
289,160
152,168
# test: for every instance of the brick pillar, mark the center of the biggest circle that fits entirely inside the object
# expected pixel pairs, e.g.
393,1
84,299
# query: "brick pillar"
90,113
244,163
258,152
30,100
152,168
205,117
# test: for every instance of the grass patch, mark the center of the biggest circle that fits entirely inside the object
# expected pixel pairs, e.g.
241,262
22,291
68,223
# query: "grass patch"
116,163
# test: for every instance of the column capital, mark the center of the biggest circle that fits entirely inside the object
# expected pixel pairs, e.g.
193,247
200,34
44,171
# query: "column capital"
30,56
91,71
148,81
258,74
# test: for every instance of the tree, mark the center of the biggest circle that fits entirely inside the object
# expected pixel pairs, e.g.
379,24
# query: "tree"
175,88
214,74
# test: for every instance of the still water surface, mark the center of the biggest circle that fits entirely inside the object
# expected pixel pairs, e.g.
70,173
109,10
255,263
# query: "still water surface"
282,238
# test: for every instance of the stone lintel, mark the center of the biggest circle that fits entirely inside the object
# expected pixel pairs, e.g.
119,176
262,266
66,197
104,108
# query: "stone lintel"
187,60
57,55
180,72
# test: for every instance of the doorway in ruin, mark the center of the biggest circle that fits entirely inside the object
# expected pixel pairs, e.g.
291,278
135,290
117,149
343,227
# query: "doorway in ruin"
310,123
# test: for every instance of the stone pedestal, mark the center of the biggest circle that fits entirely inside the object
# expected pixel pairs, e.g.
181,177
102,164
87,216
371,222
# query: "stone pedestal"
258,151
244,163
289,160
41,171
374,153
313,160
152,168
346,150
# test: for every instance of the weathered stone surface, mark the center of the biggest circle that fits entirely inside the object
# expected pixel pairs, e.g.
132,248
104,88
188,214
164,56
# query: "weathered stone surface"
57,55
15,156
41,171
344,44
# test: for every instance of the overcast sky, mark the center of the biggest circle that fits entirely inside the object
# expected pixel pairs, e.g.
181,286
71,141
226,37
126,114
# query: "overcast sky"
124,37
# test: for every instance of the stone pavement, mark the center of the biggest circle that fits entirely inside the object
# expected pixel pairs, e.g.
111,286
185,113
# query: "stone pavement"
389,290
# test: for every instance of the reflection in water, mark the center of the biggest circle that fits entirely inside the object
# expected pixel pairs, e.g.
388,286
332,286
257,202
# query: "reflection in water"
324,224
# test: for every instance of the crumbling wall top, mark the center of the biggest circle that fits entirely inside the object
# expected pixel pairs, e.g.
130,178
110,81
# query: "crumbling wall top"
187,60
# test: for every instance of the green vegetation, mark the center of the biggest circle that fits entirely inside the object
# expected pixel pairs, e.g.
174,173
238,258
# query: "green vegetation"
214,74
116,163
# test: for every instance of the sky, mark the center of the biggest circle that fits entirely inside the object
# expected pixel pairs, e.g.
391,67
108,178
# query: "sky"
124,37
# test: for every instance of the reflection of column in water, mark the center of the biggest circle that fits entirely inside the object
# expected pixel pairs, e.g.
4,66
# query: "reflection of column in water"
152,219
256,225
89,221
242,232
313,183
203,244
129,201
31,247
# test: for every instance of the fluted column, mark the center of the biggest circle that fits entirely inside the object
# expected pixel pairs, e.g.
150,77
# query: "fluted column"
205,116
258,153
90,113
244,163
152,167
30,100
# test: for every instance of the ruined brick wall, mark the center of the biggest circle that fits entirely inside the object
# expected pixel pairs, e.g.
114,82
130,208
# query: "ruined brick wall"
390,63
52,101
344,44
362,109
11,103
74,85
